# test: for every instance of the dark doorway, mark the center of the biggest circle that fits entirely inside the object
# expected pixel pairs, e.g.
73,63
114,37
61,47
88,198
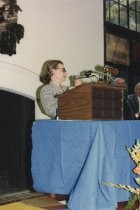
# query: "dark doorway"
17,114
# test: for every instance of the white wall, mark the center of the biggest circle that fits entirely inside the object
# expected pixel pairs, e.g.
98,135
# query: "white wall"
71,31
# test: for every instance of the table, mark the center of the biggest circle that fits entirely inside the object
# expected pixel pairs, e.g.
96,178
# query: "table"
76,157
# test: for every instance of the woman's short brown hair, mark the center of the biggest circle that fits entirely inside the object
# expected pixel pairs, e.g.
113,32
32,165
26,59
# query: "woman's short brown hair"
46,71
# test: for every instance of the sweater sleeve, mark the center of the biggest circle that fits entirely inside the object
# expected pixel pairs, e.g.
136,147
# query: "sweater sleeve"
49,102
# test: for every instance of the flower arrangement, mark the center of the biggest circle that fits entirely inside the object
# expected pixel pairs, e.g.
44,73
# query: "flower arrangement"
135,192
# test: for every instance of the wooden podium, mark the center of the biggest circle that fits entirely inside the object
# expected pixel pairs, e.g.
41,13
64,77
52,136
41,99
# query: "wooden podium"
91,101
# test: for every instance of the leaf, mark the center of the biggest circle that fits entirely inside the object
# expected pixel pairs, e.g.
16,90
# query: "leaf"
131,202
99,68
137,180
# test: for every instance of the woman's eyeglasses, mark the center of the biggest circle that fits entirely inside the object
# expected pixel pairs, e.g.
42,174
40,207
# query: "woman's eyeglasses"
61,69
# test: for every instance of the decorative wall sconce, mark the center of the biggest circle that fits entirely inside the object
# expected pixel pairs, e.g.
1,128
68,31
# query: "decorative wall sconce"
10,31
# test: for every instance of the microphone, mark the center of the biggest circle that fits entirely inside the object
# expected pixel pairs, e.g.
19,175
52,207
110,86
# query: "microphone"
85,74
100,76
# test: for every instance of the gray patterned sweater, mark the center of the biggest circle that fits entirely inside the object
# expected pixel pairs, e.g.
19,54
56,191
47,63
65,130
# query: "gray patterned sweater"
48,98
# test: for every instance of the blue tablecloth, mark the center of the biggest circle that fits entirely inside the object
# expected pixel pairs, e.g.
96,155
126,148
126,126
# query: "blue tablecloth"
76,157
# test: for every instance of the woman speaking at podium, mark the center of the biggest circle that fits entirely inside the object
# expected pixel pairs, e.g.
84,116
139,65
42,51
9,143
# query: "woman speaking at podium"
53,74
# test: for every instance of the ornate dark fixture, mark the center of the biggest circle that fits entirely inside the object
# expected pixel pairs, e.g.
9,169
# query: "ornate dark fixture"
10,31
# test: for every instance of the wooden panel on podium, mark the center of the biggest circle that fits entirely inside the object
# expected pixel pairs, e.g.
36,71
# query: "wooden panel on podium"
91,101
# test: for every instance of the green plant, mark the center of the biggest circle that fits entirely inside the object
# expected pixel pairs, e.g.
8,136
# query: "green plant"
134,153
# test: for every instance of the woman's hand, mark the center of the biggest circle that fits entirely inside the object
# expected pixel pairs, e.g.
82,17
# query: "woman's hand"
78,82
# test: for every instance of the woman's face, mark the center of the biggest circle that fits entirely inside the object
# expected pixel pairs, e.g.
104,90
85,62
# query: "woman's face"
59,73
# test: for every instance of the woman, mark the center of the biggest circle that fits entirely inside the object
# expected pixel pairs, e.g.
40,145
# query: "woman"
53,74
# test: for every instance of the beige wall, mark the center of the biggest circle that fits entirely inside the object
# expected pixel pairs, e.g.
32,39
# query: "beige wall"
68,30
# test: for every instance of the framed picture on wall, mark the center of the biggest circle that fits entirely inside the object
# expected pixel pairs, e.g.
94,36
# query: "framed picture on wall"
117,49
